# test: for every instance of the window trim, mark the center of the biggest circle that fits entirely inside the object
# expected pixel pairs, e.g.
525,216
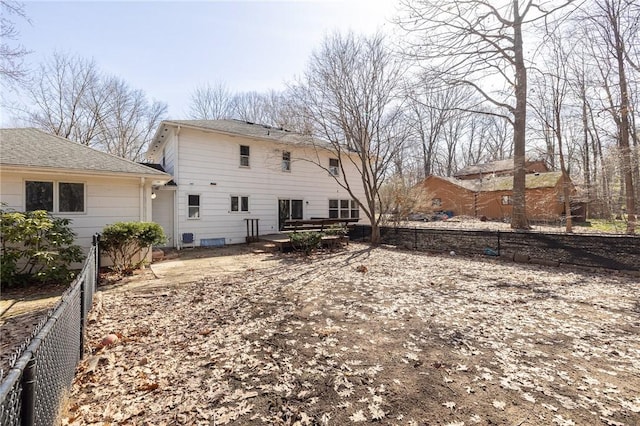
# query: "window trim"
352,207
286,161
245,156
334,170
239,203
56,196
189,217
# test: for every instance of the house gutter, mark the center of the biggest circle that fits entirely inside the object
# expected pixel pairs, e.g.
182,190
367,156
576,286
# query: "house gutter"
143,204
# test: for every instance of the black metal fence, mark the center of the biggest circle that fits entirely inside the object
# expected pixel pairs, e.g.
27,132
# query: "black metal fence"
32,391
620,252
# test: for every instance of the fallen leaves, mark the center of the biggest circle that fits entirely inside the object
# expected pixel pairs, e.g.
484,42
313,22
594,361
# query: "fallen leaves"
321,342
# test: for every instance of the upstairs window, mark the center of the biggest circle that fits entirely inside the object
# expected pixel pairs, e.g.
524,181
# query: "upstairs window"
506,200
239,203
343,209
194,206
244,155
59,197
334,166
286,161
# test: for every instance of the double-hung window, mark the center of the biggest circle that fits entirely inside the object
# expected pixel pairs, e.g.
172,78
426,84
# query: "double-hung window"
343,209
244,155
286,161
334,166
194,206
58,197
239,203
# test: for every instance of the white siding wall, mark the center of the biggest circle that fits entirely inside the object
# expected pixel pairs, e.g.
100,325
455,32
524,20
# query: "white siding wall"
209,158
108,200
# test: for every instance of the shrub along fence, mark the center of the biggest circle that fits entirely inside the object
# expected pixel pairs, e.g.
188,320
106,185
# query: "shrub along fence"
32,391
620,252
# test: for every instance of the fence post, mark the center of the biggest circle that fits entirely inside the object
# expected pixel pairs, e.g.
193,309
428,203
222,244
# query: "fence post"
96,243
28,409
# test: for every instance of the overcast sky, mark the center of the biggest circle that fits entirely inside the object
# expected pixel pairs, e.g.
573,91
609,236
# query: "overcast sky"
167,48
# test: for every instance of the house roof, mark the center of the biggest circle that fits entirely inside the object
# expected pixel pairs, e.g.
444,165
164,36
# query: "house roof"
532,181
235,127
29,147
491,167
505,183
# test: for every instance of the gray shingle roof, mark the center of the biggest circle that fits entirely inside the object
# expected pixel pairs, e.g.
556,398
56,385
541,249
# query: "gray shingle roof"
491,167
29,147
241,128
505,183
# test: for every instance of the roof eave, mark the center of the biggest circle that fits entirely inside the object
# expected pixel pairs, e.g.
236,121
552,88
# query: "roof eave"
160,178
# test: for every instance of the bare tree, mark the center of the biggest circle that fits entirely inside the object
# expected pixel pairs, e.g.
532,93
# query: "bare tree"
616,23
551,108
211,103
473,40
12,69
71,98
349,93
65,96
127,120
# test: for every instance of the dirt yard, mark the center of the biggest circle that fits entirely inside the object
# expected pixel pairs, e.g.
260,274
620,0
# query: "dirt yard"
363,336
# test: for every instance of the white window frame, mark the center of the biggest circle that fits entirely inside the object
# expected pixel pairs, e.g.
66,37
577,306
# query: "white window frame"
345,212
506,200
286,161
335,169
239,203
199,206
56,195
245,158
436,202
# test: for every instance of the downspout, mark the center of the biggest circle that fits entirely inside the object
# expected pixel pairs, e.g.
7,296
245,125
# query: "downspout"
142,201
176,193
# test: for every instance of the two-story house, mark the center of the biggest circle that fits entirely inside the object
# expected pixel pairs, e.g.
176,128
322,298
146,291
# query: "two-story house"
227,171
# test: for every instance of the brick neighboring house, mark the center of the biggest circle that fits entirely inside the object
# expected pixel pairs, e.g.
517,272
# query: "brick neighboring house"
490,196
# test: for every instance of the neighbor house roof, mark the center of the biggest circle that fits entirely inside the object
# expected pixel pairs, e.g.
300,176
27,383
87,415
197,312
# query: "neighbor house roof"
504,183
532,181
498,166
29,147
237,128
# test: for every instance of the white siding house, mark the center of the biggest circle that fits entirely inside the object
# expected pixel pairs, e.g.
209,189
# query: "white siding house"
226,171
92,188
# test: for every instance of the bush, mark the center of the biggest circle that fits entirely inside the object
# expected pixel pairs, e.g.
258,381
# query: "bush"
306,242
123,241
36,247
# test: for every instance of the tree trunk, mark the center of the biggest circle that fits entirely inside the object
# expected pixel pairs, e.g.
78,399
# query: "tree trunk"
519,213
625,149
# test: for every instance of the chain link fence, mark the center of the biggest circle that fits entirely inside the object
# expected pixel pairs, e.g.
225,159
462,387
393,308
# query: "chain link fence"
32,391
